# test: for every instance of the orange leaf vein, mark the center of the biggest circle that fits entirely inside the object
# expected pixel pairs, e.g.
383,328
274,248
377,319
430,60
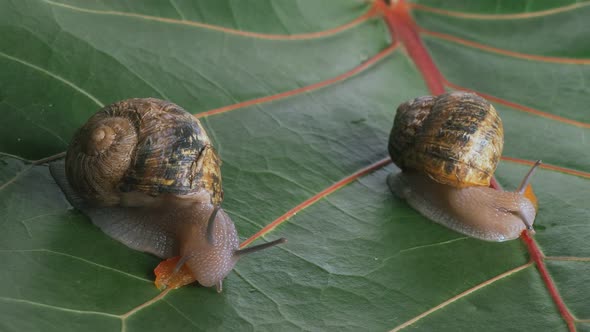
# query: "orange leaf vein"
370,62
520,107
518,55
310,201
548,166
474,16
206,26
567,258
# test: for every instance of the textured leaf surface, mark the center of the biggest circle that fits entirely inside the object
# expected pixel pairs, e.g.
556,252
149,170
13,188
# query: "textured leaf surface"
358,258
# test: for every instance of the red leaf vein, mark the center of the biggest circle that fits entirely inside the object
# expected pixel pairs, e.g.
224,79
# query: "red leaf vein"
491,49
548,166
313,199
520,107
362,67
474,16
538,258
300,36
402,26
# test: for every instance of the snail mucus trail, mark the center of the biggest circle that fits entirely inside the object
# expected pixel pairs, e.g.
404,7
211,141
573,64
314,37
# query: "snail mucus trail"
145,172
448,147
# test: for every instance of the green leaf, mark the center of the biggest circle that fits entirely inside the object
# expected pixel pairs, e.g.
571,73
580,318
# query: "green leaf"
358,258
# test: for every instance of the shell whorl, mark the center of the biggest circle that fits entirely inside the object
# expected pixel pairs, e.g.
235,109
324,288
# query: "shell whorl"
455,138
143,145
100,155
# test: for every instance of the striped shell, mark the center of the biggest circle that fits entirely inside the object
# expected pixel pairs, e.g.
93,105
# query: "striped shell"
147,146
455,138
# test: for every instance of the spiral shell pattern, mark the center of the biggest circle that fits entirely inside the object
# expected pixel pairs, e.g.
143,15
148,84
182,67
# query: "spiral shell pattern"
143,145
455,138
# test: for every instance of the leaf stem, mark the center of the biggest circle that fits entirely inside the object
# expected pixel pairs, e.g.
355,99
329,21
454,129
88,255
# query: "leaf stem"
539,259
402,26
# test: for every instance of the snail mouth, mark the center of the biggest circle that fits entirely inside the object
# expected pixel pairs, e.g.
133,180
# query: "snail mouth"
101,138
526,220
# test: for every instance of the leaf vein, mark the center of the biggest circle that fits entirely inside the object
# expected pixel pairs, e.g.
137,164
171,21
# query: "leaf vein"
315,86
183,315
568,258
53,307
265,295
29,167
16,176
313,199
526,15
462,295
519,107
173,4
55,76
206,26
53,252
433,244
549,167
508,53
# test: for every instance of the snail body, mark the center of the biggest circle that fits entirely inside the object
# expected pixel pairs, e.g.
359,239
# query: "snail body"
448,148
146,173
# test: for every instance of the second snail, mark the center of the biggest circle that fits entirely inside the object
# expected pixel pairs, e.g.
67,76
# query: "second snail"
146,173
448,147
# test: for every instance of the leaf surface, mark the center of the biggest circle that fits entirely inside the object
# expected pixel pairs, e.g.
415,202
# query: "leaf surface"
357,258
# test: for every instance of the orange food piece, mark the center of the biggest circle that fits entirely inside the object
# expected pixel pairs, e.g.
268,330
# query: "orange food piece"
530,194
166,278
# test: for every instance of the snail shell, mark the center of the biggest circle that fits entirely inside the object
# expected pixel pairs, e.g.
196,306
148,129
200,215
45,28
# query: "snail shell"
145,172
455,138
143,146
448,148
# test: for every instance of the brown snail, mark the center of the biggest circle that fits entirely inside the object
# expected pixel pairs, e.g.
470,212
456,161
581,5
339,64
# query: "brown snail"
145,172
448,148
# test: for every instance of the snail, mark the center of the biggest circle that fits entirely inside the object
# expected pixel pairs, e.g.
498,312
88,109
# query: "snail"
145,172
448,147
